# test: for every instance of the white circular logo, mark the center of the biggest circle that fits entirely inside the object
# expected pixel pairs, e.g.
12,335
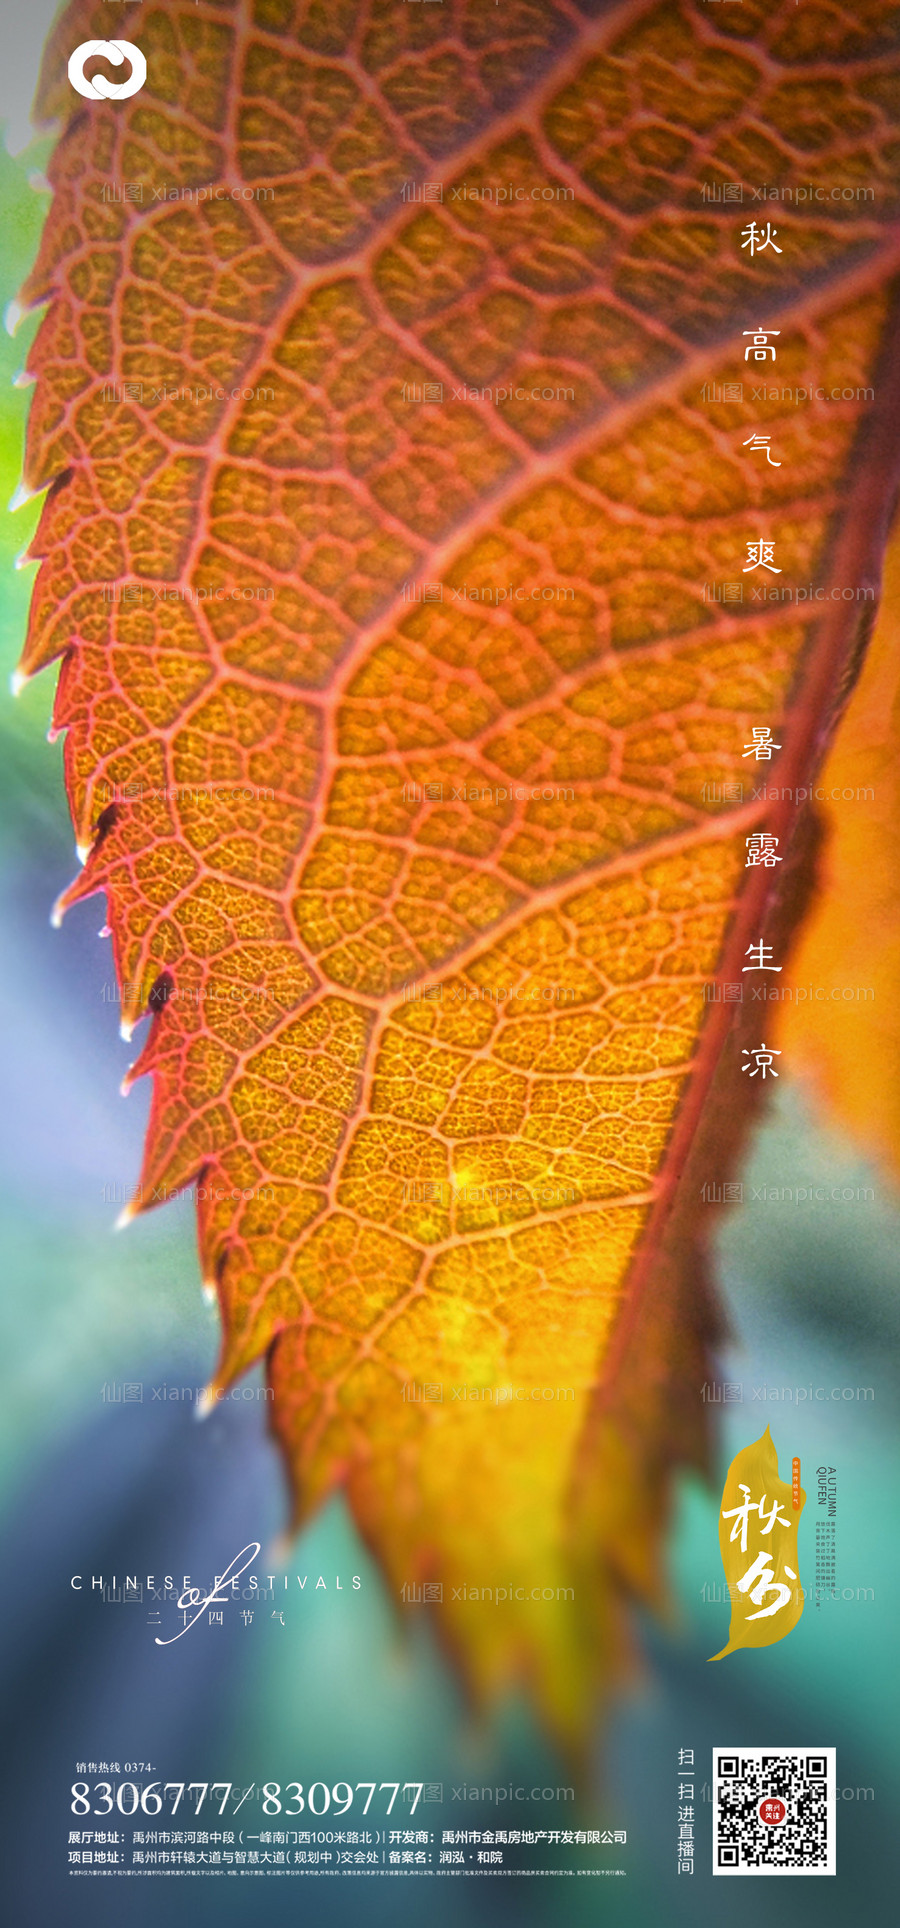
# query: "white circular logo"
115,51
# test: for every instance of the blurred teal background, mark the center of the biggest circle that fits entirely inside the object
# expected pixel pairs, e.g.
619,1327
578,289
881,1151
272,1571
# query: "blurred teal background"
344,1690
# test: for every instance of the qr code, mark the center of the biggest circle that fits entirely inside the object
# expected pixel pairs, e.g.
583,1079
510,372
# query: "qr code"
773,1810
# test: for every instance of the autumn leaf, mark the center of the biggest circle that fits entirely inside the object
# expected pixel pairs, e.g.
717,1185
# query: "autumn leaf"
396,405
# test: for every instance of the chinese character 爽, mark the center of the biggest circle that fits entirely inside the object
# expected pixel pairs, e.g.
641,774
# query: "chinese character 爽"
761,555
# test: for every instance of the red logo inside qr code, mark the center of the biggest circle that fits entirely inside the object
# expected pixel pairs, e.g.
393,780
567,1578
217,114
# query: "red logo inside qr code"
772,1811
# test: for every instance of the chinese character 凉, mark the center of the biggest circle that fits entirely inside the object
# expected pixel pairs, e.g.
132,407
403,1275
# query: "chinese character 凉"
763,1061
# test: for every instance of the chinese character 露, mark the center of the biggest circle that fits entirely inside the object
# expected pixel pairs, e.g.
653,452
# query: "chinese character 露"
761,849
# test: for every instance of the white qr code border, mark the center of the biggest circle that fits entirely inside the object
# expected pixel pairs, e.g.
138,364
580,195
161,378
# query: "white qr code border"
734,1765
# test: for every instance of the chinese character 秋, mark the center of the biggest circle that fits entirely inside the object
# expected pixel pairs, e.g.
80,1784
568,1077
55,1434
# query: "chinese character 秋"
753,238
741,1513
763,1056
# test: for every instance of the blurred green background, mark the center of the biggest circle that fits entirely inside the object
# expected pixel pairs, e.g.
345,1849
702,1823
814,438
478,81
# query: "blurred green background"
345,1690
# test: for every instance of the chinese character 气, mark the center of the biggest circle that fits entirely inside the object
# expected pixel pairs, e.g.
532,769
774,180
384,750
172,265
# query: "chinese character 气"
764,1063
753,238
762,746
762,442
761,555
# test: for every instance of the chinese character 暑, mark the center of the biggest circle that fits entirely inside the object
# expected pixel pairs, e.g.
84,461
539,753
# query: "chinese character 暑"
759,345
762,746
761,849
762,442
761,555
761,962
753,238
763,1057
